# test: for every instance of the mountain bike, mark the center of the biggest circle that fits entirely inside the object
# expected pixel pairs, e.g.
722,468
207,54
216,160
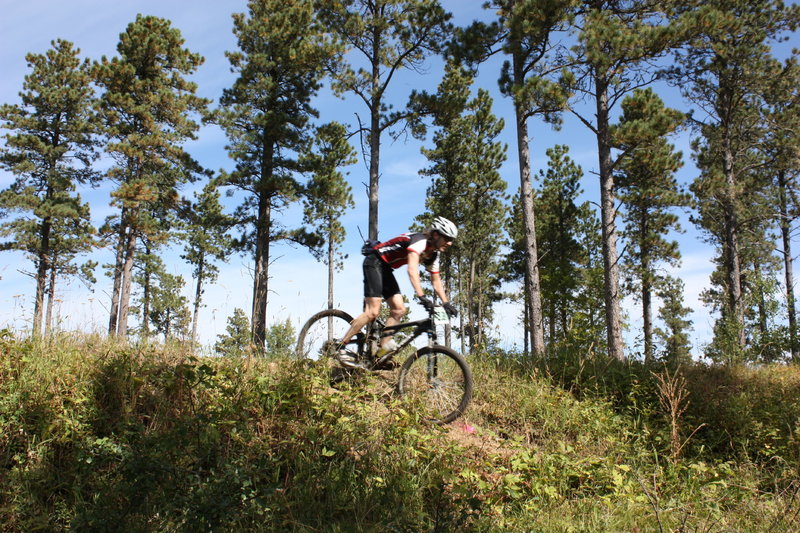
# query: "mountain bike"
433,376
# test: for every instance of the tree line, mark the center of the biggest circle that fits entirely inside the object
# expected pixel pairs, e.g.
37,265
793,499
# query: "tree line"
599,61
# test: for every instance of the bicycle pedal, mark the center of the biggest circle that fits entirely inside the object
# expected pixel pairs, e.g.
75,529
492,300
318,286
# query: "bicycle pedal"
354,365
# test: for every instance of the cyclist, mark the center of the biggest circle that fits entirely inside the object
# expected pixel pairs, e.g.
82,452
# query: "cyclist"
412,249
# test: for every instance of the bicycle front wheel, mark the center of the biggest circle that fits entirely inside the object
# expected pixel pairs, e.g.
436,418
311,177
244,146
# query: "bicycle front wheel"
438,380
321,331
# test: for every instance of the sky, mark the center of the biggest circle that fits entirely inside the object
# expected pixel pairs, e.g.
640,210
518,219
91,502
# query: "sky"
297,281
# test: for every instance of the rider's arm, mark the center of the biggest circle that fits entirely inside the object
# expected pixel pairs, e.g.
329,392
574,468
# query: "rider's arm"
413,275
438,288
413,272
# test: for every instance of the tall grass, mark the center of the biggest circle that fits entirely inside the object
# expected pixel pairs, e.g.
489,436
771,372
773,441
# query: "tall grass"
97,437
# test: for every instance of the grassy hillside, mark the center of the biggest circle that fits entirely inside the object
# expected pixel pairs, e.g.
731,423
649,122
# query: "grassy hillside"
98,437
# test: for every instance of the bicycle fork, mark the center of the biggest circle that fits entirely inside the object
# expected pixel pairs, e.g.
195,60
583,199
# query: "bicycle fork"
433,367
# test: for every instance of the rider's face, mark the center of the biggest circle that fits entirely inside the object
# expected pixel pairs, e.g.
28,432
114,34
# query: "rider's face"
441,243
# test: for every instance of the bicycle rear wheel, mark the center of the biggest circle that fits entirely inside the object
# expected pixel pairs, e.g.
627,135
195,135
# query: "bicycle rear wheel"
439,380
321,331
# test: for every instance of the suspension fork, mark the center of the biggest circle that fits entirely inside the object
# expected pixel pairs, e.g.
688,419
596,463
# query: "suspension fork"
433,367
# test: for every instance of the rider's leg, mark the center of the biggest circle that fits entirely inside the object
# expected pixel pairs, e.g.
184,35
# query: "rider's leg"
397,310
372,308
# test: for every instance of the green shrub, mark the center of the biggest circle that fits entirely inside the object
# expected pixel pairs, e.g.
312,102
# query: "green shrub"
97,436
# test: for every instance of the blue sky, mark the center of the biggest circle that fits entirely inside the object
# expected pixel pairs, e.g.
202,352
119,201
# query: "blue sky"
297,280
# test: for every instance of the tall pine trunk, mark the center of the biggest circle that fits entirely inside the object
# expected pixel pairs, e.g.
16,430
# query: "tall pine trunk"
51,296
481,303
331,267
198,293
42,268
609,227
732,257
261,275
263,241
763,318
647,291
374,176
117,285
375,137
473,329
788,265
647,316
127,284
533,288
146,295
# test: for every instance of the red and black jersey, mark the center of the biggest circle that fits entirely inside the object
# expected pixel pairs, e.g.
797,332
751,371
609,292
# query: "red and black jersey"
395,252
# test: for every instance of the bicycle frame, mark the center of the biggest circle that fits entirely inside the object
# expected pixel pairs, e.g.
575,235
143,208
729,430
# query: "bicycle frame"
436,376
424,326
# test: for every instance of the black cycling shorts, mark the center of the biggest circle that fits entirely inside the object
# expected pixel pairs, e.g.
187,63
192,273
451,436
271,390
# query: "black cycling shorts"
379,278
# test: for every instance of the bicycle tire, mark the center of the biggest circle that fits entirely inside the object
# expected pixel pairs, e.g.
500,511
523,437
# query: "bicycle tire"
318,330
440,380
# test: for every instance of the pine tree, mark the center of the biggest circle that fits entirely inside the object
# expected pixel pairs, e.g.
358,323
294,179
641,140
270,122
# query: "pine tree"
236,340
588,324
280,340
71,237
148,108
145,279
448,162
389,35
556,233
485,213
783,137
466,187
204,233
327,196
768,339
168,309
674,336
760,267
266,114
647,188
723,72
50,151
534,78
617,41
527,79
570,255
513,268
159,218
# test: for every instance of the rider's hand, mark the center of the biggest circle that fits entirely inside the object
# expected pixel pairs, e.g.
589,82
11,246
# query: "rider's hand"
425,302
452,312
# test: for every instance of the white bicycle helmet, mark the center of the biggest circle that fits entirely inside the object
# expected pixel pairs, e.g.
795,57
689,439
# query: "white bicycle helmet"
445,228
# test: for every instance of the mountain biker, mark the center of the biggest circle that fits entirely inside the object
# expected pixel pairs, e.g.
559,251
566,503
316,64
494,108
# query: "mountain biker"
412,249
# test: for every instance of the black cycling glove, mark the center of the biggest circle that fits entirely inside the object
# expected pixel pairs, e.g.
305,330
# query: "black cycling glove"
452,312
425,302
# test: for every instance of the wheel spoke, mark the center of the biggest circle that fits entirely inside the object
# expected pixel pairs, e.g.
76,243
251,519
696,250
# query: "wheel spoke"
437,381
319,336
